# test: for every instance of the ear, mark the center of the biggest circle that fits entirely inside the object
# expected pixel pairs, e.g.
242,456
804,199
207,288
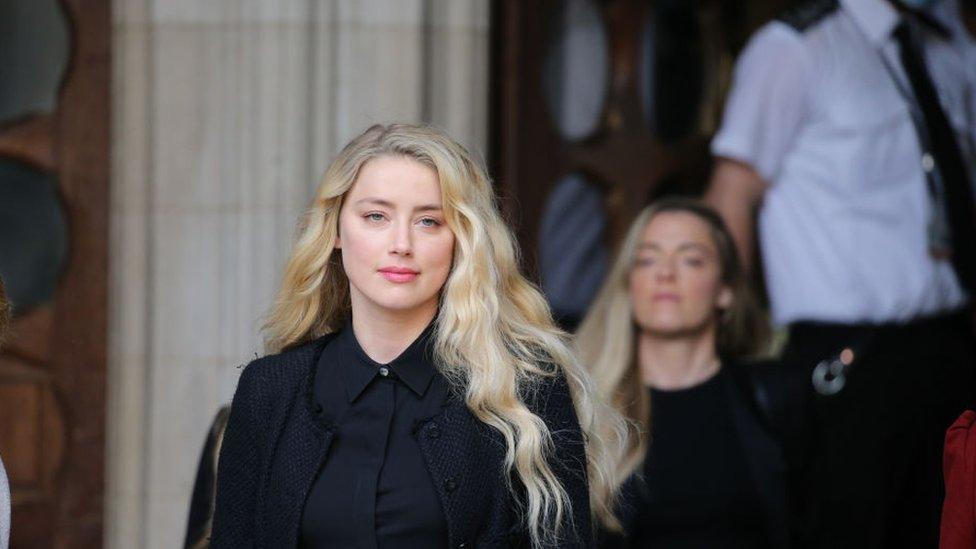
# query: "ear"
725,298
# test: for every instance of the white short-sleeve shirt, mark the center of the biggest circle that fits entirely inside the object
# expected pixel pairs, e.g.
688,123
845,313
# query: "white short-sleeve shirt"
814,110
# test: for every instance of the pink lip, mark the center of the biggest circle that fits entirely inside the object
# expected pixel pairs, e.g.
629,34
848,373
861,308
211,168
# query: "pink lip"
666,297
398,274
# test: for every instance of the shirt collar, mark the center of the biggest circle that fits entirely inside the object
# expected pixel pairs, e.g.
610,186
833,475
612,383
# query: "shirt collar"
930,20
414,366
877,19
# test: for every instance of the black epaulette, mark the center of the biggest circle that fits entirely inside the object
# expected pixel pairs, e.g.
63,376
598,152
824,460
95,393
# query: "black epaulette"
808,13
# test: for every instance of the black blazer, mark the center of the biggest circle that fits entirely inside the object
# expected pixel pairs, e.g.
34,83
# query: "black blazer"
751,391
275,444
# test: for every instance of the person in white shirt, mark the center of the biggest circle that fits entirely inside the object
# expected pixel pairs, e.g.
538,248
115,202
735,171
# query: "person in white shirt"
851,130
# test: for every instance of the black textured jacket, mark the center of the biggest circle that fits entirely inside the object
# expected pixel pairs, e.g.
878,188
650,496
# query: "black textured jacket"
275,444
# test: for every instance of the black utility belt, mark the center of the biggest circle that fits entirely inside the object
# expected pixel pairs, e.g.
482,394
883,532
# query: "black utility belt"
855,340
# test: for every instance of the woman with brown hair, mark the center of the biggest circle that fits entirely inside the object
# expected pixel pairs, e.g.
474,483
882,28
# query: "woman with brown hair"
664,340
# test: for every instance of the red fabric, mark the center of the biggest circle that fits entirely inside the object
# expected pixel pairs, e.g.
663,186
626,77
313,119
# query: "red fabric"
959,467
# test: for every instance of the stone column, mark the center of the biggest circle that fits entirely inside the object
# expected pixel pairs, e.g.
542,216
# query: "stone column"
226,112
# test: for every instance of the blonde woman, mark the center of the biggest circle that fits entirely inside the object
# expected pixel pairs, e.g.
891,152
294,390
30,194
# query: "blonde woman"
419,394
663,339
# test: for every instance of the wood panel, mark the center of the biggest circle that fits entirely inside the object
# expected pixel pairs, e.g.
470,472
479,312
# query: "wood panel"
52,372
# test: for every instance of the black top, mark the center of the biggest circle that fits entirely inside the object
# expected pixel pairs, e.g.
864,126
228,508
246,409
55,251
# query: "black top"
699,492
275,445
374,490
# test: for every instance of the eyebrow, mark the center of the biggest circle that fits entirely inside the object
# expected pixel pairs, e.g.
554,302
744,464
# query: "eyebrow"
684,246
388,204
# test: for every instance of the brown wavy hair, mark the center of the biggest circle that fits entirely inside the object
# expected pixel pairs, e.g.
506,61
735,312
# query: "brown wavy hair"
606,337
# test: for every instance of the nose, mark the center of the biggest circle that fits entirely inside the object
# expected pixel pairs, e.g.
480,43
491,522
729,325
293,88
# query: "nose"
402,239
664,270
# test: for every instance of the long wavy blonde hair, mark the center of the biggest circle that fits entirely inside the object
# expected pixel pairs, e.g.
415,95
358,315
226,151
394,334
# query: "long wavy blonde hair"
607,335
494,336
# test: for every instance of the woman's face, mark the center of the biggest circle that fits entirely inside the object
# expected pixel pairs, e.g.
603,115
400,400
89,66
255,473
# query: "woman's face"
675,283
396,248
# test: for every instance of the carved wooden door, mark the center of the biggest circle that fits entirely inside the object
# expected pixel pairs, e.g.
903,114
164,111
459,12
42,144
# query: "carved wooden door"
54,157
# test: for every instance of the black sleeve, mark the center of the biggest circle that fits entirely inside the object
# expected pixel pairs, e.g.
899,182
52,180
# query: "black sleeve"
240,465
782,393
632,494
784,396
554,404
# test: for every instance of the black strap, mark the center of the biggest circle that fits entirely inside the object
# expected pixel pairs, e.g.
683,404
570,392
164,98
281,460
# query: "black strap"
948,160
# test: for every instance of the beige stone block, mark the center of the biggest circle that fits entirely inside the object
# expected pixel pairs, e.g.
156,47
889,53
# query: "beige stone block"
380,78
386,13
232,12
130,118
125,463
129,278
458,88
233,115
182,407
472,15
186,278
185,171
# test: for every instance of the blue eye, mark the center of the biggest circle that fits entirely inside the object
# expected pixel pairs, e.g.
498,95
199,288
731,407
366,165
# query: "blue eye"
429,222
374,216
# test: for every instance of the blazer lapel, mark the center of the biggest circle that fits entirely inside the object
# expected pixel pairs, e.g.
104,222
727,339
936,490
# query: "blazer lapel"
763,456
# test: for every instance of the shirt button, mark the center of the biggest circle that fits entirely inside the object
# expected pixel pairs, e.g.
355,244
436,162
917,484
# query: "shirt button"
433,431
384,372
927,162
450,485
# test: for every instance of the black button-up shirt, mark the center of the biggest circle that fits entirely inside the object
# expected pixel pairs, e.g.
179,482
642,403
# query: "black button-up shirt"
374,490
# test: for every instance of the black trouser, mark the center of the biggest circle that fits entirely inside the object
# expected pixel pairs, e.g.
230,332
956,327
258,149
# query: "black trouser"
870,473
